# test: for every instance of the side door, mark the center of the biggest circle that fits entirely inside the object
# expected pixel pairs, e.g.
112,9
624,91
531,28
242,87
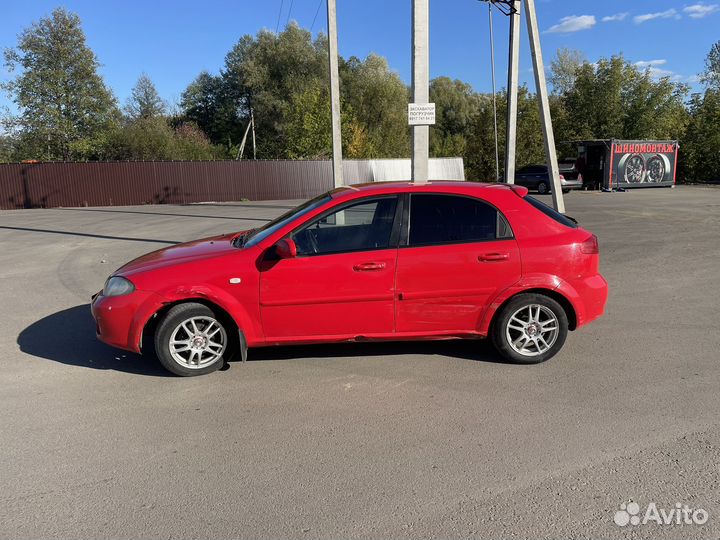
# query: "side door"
456,253
341,283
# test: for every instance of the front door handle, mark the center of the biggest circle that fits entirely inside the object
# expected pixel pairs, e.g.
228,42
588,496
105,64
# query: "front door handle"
493,257
369,267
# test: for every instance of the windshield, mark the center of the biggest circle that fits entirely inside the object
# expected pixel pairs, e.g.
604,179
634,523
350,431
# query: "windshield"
276,224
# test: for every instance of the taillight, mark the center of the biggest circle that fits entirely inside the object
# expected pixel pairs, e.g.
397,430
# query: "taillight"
590,246
562,177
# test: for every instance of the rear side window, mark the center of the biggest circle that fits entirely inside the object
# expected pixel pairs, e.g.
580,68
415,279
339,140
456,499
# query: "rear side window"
449,219
551,212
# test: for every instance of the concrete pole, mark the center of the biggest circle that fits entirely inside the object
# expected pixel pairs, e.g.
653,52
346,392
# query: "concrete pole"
420,87
335,94
545,119
492,70
512,93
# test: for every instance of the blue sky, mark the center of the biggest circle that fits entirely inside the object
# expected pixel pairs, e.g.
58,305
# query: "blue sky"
174,41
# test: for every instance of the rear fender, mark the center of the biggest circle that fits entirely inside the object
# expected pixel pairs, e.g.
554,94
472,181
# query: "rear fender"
530,282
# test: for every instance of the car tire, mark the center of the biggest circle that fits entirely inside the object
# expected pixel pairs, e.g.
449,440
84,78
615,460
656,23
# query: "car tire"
514,323
542,188
566,191
192,340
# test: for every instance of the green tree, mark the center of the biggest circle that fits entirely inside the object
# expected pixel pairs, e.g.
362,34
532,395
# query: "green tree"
455,107
564,69
711,76
264,73
207,103
480,155
66,111
149,139
144,100
376,99
700,148
615,99
7,149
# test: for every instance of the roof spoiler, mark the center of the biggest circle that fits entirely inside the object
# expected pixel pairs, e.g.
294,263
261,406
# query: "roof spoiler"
520,191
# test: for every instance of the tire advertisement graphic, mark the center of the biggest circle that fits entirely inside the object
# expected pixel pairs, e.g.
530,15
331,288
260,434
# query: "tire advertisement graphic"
643,163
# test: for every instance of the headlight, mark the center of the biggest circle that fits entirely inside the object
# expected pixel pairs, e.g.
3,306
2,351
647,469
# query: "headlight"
117,286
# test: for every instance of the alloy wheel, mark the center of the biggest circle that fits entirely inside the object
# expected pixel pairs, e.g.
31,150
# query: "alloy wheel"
532,330
198,342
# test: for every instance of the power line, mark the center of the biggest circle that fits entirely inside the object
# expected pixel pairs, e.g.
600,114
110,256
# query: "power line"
289,12
277,25
320,3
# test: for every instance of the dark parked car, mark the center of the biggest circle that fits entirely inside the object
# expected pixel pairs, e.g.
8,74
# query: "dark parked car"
536,177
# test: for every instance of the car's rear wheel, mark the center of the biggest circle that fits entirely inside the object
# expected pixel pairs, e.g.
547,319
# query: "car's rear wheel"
531,328
542,188
191,340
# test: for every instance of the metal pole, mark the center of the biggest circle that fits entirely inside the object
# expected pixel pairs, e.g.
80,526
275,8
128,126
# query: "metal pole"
420,87
492,69
335,94
252,121
542,95
512,93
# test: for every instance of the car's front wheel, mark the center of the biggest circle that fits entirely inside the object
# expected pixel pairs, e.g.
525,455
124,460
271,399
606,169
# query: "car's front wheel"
530,328
191,340
543,188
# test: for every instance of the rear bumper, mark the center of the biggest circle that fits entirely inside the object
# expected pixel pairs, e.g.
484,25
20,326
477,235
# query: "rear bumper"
588,296
571,184
119,320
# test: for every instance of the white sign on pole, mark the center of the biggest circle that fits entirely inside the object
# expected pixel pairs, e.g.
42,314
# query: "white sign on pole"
421,114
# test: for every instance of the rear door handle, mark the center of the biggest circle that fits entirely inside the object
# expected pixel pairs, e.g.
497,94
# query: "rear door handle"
493,257
369,267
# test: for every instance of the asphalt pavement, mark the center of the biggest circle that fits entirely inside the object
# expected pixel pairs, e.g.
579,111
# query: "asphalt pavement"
367,440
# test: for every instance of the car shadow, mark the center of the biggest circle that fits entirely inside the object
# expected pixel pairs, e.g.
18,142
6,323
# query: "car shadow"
477,350
68,337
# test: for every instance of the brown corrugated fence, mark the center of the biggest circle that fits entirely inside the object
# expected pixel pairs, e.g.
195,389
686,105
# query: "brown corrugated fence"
47,185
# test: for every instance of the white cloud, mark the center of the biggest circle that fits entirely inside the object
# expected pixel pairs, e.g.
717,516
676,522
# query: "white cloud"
657,72
698,11
670,13
616,17
573,23
650,63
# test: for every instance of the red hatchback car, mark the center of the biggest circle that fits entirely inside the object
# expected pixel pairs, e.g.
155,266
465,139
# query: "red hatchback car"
381,261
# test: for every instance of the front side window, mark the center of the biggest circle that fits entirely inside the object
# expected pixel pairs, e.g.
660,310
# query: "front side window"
450,219
361,226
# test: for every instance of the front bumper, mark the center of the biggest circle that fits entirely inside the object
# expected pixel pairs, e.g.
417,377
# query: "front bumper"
119,320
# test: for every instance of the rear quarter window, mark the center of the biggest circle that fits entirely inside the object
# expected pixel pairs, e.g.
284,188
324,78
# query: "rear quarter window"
551,212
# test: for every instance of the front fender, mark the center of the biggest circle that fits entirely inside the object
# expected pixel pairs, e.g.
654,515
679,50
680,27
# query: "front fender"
249,325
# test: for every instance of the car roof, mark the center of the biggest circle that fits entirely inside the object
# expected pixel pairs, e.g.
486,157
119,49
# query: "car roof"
433,186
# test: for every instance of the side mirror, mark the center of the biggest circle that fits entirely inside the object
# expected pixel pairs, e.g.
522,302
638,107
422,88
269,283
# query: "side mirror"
286,249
